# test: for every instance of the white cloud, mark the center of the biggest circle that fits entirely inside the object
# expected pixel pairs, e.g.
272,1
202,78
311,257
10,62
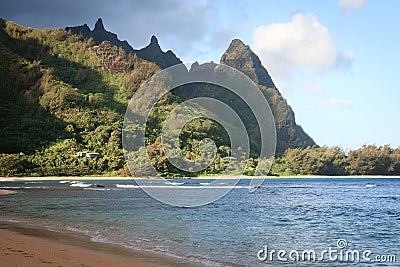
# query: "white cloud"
303,42
334,103
351,4
345,60
315,88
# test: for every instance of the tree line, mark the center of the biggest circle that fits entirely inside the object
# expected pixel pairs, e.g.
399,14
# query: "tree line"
329,161
61,94
367,160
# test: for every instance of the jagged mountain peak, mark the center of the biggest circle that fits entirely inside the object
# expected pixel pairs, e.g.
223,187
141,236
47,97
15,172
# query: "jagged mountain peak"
151,52
153,40
99,25
154,46
237,44
154,53
100,34
240,56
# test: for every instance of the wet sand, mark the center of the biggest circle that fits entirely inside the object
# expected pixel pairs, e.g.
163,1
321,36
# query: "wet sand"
17,249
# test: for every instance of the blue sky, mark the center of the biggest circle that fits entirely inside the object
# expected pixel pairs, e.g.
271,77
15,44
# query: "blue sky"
334,61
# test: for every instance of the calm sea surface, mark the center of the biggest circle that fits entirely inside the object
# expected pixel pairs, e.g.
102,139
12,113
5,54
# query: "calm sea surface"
296,216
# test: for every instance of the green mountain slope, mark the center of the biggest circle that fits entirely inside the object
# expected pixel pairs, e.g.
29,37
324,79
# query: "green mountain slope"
61,93
240,57
289,134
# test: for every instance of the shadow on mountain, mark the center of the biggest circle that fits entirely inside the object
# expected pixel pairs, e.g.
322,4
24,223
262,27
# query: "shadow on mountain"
26,124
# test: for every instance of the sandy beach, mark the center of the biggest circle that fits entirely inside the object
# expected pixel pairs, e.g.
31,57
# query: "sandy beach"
20,250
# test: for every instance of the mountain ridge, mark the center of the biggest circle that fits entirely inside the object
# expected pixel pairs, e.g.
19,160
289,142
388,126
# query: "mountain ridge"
239,56
255,71
151,52
289,133
61,93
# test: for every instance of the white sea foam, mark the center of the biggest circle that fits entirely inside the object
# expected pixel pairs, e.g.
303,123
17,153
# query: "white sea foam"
98,189
80,184
181,186
101,239
174,183
23,187
126,186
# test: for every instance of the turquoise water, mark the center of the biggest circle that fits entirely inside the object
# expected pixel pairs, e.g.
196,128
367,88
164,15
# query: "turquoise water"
283,214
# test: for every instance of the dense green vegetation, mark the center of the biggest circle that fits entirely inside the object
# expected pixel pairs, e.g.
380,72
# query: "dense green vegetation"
61,93
367,160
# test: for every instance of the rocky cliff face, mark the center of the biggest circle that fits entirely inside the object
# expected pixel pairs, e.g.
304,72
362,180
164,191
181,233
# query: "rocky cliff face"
112,59
289,134
152,52
240,57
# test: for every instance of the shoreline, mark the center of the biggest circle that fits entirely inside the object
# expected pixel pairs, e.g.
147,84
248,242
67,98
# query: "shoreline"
61,178
27,245
57,233
24,250
300,177
219,177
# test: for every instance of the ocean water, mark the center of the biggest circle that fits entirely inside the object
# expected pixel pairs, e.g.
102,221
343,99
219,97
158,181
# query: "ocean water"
342,217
